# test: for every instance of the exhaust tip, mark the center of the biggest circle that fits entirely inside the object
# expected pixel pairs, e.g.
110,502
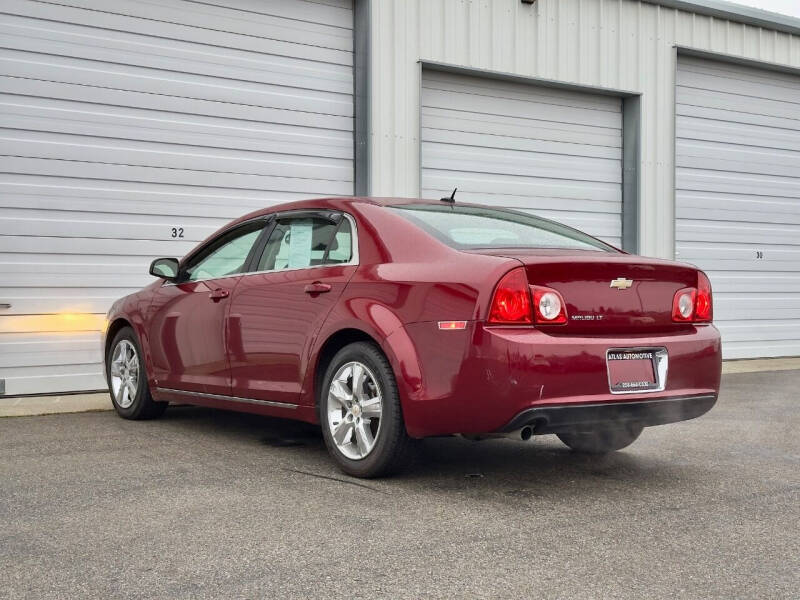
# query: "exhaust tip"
526,433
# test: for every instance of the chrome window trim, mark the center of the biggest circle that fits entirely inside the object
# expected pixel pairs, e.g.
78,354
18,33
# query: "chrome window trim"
229,398
354,259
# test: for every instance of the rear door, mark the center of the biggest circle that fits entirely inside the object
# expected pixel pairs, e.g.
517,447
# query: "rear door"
277,311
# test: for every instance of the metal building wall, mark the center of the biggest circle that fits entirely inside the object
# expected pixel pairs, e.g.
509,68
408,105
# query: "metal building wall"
556,153
737,199
619,44
130,130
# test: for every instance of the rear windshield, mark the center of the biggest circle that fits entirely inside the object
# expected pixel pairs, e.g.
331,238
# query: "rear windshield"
474,227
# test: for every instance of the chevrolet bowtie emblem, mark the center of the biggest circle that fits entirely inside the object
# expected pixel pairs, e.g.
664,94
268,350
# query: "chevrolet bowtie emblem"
621,283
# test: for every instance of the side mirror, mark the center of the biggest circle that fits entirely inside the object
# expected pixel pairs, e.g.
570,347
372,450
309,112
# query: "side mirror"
166,268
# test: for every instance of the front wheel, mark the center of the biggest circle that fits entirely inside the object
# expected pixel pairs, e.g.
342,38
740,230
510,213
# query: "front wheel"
127,379
359,410
602,439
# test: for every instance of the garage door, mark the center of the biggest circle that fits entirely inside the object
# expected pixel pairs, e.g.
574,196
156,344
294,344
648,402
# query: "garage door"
134,128
550,152
738,199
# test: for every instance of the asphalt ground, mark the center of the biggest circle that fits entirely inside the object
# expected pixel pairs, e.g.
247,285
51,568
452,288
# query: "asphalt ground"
211,504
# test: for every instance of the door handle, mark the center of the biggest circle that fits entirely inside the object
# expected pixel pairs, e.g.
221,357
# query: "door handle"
317,288
219,294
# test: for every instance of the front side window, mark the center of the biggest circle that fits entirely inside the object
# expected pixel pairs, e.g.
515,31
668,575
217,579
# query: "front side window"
301,242
226,256
474,227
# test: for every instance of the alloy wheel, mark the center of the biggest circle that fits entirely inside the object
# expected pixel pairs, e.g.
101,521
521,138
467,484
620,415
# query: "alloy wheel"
354,409
124,373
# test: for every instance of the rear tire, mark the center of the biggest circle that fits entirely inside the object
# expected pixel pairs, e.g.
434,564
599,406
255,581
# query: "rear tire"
602,439
127,379
360,414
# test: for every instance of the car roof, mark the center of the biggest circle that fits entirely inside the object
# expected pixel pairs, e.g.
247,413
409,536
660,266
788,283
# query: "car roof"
334,203
330,202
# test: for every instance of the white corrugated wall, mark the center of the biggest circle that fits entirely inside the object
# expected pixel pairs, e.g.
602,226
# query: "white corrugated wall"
556,153
131,129
619,44
738,199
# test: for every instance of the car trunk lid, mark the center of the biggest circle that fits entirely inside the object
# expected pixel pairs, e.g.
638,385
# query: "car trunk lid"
606,292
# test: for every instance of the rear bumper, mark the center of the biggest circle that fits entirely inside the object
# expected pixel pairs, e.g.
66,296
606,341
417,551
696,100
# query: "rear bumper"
656,411
480,379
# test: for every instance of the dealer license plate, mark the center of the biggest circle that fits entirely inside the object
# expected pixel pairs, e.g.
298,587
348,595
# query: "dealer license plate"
632,370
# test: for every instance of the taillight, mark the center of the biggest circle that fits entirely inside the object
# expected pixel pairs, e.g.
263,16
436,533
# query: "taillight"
704,309
548,307
683,305
511,303
693,305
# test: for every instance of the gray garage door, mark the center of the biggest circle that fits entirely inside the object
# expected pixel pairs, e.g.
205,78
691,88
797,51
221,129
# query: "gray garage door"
554,153
738,199
134,128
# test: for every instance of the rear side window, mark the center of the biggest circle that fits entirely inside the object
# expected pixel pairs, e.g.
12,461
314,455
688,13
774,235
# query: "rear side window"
341,249
301,242
474,227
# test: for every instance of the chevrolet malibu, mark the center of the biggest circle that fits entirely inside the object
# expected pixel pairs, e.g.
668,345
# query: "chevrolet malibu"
390,320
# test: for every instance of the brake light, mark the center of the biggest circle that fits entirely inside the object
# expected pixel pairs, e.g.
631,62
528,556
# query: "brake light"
693,305
704,306
548,307
511,303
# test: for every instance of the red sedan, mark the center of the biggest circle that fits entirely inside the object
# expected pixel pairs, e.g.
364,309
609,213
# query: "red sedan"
388,320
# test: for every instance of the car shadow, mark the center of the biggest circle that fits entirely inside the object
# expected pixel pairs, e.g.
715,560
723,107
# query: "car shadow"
539,469
269,431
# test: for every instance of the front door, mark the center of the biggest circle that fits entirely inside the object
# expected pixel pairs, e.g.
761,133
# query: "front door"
189,318
277,310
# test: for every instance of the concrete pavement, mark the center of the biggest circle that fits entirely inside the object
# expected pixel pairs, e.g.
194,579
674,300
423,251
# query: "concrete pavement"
209,504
